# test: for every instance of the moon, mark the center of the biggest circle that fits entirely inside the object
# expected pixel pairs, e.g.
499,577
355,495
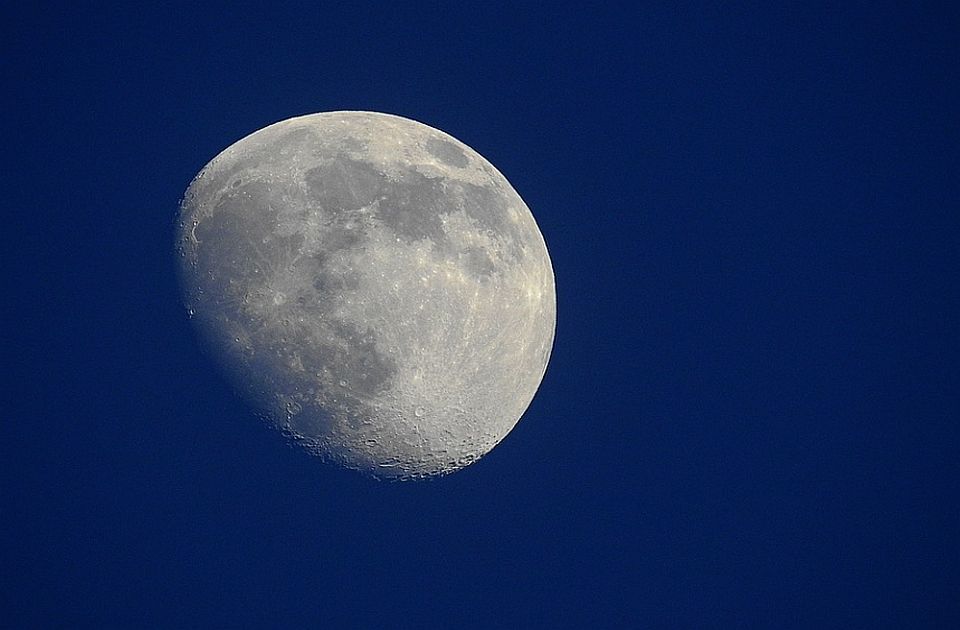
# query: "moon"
375,287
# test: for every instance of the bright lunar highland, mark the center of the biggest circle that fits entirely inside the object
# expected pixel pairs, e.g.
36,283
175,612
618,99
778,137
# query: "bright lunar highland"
375,286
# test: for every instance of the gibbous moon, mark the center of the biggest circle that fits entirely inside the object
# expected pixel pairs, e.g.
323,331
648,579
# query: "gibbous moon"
374,286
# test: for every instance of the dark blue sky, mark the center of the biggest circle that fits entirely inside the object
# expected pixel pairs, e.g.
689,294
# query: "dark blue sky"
751,414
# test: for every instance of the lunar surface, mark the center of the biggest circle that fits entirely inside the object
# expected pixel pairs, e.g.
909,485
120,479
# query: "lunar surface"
374,286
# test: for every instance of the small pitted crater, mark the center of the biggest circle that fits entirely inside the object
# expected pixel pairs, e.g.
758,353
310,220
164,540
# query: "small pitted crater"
447,152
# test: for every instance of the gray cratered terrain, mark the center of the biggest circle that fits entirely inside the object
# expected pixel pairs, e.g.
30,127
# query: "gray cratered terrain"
374,286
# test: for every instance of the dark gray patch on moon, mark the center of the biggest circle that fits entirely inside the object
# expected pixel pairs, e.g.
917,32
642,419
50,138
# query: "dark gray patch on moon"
410,206
341,185
390,316
447,152
477,261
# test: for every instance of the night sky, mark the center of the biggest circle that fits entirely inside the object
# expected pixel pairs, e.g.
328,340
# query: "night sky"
751,417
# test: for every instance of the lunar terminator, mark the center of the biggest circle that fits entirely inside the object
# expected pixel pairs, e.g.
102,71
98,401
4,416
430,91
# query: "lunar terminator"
374,286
